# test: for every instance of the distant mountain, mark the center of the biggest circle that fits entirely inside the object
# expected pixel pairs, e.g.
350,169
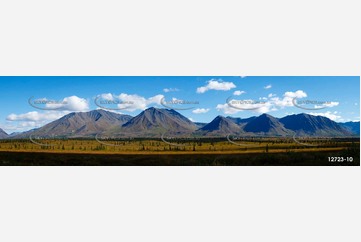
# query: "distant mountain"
17,133
353,127
305,124
221,126
21,135
83,124
240,121
266,125
3,134
200,125
153,121
14,133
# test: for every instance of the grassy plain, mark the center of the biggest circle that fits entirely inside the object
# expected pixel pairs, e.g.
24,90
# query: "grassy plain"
207,151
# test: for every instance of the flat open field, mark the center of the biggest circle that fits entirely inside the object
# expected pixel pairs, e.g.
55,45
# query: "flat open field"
260,151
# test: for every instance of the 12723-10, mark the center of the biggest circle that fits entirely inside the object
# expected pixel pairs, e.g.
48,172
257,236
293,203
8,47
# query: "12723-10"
340,159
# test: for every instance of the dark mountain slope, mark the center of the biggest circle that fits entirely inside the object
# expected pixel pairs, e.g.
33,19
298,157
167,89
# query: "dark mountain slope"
305,124
81,124
266,125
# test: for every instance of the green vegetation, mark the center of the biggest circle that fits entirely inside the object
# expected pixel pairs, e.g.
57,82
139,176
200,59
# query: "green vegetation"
208,145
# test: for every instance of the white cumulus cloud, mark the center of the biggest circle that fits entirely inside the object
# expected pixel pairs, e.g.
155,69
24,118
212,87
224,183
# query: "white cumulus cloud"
107,96
268,86
216,85
238,93
287,99
170,89
328,105
200,110
267,104
226,109
72,103
132,102
36,116
297,94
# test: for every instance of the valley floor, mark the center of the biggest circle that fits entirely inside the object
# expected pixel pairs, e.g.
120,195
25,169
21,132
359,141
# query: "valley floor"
289,158
155,152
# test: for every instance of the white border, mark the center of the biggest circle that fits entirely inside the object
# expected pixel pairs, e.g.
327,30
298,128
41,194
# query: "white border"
180,203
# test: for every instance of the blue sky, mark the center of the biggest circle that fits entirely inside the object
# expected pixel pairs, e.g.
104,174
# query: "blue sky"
207,96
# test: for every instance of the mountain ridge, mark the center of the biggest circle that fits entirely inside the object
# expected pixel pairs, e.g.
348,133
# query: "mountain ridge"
221,125
353,127
3,134
79,124
152,122
306,124
266,124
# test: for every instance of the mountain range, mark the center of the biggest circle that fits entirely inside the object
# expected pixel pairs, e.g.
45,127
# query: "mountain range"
3,134
154,121
353,127
82,124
